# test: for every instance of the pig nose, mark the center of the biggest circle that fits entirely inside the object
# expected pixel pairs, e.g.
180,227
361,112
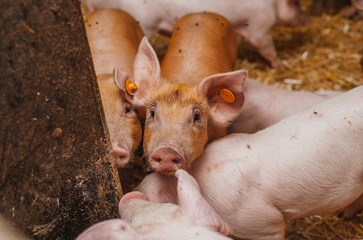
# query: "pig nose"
127,198
166,160
120,155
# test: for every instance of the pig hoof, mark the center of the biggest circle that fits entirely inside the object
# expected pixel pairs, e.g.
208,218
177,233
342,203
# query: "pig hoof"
346,214
341,215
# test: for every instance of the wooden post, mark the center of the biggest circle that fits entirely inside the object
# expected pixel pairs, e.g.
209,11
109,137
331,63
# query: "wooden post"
57,176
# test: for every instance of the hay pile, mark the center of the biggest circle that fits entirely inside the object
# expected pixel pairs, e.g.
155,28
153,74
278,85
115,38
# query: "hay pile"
324,55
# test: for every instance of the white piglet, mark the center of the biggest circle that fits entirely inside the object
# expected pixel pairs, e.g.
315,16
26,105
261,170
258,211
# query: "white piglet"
266,105
251,18
309,163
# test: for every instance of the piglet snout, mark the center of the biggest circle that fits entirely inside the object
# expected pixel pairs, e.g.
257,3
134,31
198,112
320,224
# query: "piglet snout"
166,160
127,198
121,156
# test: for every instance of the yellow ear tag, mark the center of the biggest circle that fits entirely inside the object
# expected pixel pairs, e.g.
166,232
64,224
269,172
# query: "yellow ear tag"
131,87
227,95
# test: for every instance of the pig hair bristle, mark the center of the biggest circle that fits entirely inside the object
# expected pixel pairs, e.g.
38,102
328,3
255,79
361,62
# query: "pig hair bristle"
171,93
150,102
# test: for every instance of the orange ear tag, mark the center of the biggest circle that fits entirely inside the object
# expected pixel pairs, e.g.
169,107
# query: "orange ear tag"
131,87
227,95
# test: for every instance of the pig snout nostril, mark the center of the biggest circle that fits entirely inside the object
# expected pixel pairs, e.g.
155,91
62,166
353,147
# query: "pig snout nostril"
166,160
122,156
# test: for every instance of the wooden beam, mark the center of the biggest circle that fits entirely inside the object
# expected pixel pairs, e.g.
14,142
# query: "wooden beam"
57,175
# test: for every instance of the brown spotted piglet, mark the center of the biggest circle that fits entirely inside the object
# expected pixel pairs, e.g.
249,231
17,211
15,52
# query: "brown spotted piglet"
198,95
114,37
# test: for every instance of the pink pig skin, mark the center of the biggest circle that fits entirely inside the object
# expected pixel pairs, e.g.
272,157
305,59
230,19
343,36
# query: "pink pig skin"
309,163
259,15
192,218
114,229
266,105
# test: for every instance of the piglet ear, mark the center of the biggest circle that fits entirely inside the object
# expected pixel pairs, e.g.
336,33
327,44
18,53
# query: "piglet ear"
191,200
121,77
224,92
113,229
147,71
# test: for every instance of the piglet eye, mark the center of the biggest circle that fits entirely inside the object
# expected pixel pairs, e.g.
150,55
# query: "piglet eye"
152,112
196,116
128,108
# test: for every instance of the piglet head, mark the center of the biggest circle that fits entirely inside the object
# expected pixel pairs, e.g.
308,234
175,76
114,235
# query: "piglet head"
122,122
175,127
180,119
192,216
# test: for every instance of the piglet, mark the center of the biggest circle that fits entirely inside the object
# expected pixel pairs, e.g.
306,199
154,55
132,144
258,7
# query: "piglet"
199,93
114,37
266,105
307,164
192,218
259,15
